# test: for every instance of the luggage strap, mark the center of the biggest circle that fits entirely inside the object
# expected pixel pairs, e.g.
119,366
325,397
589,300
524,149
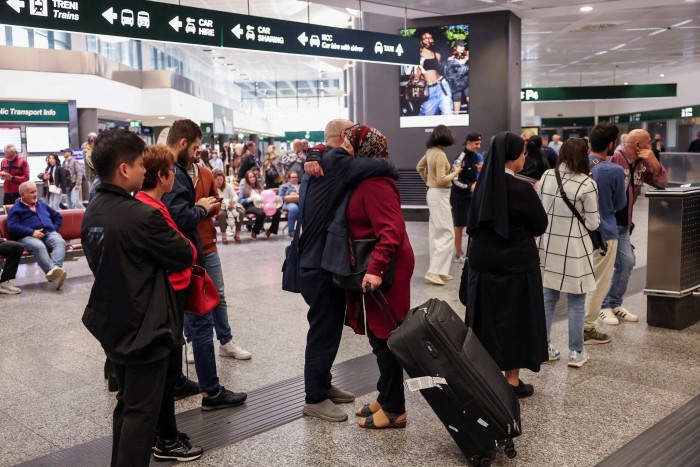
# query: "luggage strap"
373,293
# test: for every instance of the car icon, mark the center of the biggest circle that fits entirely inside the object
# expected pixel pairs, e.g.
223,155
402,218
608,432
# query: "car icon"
127,17
250,33
378,48
143,19
190,28
315,41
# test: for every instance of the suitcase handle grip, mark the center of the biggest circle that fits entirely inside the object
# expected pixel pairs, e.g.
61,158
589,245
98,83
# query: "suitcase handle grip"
373,293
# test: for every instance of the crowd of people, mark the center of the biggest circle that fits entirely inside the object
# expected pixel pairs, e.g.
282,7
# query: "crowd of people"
150,228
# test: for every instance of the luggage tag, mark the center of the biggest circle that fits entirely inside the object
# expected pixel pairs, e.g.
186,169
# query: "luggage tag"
424,382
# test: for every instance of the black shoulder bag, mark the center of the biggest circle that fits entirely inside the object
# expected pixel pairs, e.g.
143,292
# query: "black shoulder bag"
360,256
596,237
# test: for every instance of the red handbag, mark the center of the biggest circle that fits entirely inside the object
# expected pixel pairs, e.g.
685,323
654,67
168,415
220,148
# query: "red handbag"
202,296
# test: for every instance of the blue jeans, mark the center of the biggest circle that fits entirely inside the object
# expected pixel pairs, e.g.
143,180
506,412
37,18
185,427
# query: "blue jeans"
624,263
74,199
55,200
439,98
38,247
577,314
212,263
292,213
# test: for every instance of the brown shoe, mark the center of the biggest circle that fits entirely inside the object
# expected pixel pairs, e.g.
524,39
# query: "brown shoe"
267,234
253,235
237,238
224,239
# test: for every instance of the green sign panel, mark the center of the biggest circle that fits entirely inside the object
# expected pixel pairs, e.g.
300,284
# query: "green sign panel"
173,23
207,128
33,112
590,93
662,114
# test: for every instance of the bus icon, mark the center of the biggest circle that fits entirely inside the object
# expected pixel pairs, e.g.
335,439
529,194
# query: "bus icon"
127,17
143,19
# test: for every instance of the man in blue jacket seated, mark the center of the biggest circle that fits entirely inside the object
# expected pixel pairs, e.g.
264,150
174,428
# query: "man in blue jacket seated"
35,224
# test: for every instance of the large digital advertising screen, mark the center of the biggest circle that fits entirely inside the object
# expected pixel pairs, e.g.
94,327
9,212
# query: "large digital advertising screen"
437,91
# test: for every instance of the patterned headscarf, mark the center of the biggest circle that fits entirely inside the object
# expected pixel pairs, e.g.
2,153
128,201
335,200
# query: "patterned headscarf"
367,141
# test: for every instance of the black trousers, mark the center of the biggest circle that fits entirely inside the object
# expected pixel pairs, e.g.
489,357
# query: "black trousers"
10,198
326,316
390,383
12,251
136,414
260,217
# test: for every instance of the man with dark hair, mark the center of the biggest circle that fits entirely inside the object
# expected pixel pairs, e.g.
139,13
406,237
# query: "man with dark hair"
462,188
327,302
131,311
187,212
610,179
695,144
640,166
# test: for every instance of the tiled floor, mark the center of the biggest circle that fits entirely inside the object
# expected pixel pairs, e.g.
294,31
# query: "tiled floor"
52,395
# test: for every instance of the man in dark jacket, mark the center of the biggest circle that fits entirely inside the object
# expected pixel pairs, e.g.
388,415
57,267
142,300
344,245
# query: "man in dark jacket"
183,140
131,310
36,224
326,301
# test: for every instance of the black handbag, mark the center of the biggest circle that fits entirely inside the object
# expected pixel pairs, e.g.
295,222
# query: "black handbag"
596,238
290,267
360,256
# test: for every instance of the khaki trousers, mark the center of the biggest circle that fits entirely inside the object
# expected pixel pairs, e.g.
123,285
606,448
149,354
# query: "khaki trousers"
441,234
603,268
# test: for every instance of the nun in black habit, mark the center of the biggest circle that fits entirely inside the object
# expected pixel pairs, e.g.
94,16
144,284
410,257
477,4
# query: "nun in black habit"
505,303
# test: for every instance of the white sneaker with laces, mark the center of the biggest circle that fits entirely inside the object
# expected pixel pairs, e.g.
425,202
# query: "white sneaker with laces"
577,359
233,350
607,317
190,353
624,314
554,354
53,274
7,288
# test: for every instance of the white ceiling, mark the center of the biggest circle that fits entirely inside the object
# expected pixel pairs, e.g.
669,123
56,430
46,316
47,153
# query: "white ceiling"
633,41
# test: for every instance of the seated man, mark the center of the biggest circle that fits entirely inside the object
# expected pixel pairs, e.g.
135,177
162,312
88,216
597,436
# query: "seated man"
289,192
35,224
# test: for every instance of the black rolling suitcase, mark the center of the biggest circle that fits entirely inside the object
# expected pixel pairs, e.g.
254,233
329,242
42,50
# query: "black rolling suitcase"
469,393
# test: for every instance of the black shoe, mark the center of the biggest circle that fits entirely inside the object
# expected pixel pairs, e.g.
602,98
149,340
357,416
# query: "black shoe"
177,450
189,388
112,384
523,390
223,400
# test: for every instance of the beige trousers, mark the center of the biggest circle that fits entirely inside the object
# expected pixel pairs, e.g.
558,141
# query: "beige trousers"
441,234
603,268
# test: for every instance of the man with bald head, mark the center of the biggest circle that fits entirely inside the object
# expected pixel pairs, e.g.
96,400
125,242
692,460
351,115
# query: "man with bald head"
320,198
640,166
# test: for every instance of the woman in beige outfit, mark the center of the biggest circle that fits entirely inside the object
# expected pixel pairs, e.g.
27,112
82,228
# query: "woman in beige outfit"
434,169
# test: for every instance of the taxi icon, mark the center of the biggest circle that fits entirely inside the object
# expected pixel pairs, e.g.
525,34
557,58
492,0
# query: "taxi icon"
378,48
315,41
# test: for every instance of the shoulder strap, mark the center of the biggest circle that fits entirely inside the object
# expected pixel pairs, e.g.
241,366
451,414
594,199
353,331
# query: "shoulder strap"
566,199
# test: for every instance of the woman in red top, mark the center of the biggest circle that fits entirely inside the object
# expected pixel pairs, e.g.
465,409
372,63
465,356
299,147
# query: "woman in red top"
374,211
159,179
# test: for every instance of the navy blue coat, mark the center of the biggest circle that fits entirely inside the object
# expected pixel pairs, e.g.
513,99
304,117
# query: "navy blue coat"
22,221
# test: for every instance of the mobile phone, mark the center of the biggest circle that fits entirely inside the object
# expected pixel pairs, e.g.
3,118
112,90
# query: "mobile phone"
218,200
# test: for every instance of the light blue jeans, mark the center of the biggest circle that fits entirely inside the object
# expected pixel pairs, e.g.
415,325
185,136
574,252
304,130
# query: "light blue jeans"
38,247
577,314
292,213
75,200
55,200
624,264
439,99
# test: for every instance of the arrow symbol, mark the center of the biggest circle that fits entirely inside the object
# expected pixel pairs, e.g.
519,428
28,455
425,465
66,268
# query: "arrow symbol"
399,50
16,5
110,15
176,23
237,31
303,38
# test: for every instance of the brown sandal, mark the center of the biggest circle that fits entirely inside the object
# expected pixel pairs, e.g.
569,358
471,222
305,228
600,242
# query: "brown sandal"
380,420
368,409
237,238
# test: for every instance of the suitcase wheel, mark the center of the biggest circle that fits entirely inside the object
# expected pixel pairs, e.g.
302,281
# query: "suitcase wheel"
479,461
509,449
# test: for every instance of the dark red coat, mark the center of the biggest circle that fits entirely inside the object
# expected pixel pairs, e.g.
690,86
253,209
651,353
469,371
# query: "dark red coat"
374,211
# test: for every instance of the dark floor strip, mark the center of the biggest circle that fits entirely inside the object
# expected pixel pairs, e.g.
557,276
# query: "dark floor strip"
266,408
674,441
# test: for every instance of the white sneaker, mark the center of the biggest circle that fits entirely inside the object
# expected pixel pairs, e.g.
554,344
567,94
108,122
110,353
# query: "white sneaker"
233,350
554,354
53,274
607,317
434,278
459,258
577,359
624,314
58,282
190,353
7,288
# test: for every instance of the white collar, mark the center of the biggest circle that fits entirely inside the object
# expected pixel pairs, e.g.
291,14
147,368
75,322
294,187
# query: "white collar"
508,171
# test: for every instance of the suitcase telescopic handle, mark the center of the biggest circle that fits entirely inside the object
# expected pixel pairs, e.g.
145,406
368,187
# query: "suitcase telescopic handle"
373,293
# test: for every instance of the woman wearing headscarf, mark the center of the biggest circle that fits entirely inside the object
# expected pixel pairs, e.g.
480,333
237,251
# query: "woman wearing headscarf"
566,251
434,169
505,306
374,211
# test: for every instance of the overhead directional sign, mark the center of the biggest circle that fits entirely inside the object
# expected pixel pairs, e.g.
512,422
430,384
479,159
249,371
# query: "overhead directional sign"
173,23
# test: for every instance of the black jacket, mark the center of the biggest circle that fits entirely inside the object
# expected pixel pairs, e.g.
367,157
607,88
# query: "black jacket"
461,186
131,249
180,203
